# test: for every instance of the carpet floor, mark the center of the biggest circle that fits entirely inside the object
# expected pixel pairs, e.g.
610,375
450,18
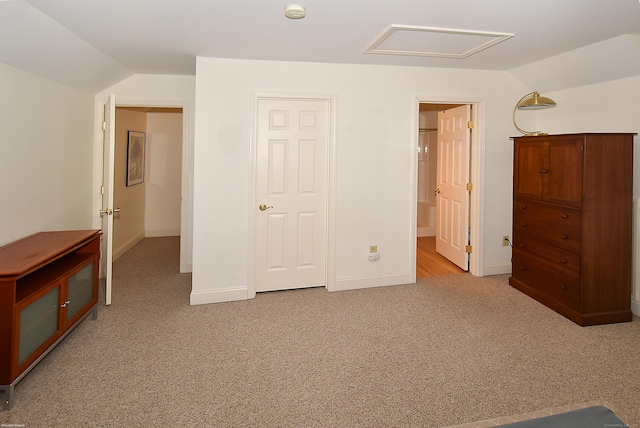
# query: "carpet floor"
448,350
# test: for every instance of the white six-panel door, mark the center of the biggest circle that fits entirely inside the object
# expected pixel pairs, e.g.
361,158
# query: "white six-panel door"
292,142
452,201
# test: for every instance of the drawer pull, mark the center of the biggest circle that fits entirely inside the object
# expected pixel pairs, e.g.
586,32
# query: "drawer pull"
564,287
543,171
565,216
521,245
524,207
563,261
565,237
523,268
523,224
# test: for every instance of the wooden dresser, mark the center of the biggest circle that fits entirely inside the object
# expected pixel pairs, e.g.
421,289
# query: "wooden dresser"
48,285
572,224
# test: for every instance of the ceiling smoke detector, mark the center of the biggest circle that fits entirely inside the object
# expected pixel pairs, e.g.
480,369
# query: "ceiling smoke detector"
294,11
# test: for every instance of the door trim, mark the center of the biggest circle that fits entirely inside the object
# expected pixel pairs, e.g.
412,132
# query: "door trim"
477,165
331,182
186,224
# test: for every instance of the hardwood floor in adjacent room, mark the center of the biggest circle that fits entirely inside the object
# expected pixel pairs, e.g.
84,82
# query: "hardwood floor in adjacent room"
429,262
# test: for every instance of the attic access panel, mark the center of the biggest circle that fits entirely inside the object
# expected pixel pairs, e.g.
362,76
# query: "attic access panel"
434,42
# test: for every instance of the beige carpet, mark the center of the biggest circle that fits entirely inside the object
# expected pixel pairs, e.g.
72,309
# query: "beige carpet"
448,350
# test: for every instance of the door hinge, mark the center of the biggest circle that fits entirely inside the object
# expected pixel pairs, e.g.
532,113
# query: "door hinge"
104,125
469,186
468,249
471,124
102,190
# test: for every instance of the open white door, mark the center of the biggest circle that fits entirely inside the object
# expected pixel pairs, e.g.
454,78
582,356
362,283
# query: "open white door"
452,199
291,193
108,155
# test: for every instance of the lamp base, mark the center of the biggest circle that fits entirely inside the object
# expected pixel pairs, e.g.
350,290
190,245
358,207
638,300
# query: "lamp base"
535,134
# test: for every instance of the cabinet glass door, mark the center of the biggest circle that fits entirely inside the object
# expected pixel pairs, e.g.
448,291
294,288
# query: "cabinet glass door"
38,323
80,289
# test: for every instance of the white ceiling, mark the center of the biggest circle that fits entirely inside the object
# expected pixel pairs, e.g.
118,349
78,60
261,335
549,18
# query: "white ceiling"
93,44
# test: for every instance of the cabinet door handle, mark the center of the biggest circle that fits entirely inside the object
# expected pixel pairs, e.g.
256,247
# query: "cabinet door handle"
65,304
543,171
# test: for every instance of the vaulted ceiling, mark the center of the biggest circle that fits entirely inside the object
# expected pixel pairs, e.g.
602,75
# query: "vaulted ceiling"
546,44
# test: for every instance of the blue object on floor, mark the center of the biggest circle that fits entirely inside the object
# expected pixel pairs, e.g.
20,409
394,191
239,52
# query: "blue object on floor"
590,417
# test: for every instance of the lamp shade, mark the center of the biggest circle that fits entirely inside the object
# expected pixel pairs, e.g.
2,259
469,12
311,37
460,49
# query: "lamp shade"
535,101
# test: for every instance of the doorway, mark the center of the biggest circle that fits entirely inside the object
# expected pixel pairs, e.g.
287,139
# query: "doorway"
426,178
291,170
151,208
105,164
319,120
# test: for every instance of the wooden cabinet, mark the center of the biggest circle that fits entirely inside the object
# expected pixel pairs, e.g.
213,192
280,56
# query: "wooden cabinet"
572,224
48,284
549,170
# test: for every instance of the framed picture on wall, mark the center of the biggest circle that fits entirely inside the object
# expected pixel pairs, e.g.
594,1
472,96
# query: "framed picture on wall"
135,158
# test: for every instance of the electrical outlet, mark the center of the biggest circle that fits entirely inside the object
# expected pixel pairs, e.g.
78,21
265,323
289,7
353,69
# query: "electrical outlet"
373,249
505,241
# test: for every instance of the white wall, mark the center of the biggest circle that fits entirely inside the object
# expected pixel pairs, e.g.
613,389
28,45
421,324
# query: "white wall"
376,156
163,179
164,91
46,155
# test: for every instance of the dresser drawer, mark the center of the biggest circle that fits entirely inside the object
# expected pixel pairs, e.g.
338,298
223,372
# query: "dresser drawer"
553,257
548,212
552,284
561,235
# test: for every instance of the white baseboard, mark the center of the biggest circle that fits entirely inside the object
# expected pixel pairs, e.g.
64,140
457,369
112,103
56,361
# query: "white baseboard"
189,268
161,233
499,269
426,231
371,281
218,296
241,293
117,252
